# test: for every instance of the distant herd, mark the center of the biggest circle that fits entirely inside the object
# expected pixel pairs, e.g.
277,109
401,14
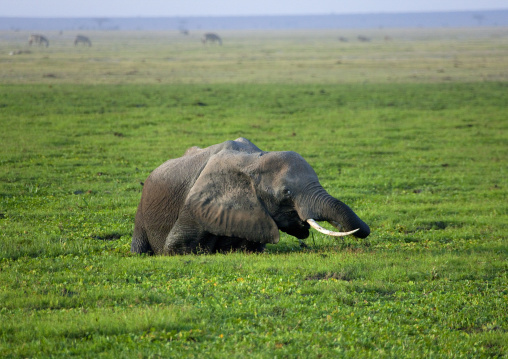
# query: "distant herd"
41,40
37,39
207,38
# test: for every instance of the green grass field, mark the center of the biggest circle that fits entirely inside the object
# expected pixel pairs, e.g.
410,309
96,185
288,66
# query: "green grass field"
410,132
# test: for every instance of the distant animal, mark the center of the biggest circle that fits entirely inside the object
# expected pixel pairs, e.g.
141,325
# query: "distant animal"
363,38
343,39
82,39
211,38
19,52
37,39
234,196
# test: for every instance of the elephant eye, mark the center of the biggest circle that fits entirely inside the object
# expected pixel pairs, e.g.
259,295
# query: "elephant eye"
286,192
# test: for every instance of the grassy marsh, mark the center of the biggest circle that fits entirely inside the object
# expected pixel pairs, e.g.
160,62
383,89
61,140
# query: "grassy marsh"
422,159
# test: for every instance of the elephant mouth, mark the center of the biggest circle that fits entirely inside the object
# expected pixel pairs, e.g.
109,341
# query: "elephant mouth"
297,229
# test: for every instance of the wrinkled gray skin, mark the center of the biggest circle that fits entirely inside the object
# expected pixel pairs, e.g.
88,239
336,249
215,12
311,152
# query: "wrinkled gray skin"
232,196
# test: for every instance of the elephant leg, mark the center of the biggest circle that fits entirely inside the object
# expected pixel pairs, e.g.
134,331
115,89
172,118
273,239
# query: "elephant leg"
186,236
227,244
254,247
140,242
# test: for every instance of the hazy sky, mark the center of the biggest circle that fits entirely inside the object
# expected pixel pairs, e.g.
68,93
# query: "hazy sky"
129,8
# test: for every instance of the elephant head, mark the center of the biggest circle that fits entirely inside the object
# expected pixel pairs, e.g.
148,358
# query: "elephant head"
234,196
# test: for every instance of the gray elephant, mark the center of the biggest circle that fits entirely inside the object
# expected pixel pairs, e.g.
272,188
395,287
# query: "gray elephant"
233,196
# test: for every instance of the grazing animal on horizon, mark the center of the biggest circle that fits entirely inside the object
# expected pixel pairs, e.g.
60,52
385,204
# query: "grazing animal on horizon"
82,39
37,39
211,38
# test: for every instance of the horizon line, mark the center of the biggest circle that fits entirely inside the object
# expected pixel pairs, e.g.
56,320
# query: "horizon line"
252,15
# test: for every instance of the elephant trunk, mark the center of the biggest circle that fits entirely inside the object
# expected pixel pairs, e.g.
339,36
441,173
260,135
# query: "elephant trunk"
320,206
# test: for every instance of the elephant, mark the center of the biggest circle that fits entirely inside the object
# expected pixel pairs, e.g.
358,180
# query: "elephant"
233,196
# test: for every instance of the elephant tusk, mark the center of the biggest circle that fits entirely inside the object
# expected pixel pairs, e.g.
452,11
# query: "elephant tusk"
317,227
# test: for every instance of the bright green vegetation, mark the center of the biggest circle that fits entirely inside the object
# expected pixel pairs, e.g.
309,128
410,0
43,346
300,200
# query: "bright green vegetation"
424,163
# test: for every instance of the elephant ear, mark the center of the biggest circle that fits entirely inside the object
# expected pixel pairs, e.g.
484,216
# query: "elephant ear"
224,201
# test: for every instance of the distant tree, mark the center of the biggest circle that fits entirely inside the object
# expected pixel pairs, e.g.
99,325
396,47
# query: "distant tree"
479,18
183,27
101,20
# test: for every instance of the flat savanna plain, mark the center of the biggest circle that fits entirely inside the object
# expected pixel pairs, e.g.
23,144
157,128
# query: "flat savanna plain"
290,57
409,129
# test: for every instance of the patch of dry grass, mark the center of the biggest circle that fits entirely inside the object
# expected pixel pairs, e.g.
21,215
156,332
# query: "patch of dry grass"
313,56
